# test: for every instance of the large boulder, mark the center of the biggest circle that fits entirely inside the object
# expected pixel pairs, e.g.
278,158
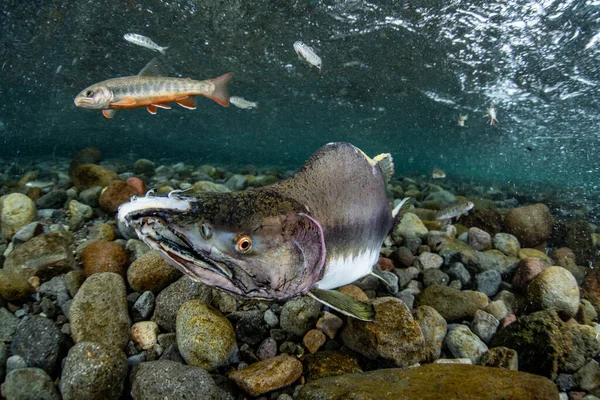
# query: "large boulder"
530,224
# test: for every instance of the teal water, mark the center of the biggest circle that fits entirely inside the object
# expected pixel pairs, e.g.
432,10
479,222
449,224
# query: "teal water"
396,75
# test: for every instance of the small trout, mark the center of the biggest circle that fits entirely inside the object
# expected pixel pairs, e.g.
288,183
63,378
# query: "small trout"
491,114
242,103
455,211
144,42
462,119
438,174
307,54
151,89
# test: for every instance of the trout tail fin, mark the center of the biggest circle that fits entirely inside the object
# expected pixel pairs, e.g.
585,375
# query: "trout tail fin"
221,93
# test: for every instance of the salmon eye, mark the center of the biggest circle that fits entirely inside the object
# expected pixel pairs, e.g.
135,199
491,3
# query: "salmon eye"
243,243
206,232
89,93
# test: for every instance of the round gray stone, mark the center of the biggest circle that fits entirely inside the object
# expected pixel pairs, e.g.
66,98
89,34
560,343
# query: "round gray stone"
29,384
299,316
38,340
488,282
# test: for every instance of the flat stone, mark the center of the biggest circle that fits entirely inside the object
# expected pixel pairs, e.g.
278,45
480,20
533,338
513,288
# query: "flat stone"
432,381
500,357
484,325
313,340
410,225
453,304
463,343
433,326
329,323
265,376
329,363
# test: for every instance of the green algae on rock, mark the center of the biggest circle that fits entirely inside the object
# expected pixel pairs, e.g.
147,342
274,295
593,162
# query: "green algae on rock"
432,381
329,363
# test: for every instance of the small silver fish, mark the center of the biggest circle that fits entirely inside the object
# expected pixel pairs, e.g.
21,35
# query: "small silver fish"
38,184
438,174
455,211
462,119
491,113
307,54
144,42
242,103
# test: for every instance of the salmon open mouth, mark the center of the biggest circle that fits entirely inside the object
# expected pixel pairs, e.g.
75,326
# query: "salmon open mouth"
163,238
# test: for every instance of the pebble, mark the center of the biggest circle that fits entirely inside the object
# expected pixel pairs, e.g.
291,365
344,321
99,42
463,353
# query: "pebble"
144,334
173,296
527,269
457,271
13,286
90,196
329,363
410,225
143,307
536,254
86,176
556,289
313,340
206,186
484,325
250,326
488,282
589,377
237,182
73,281
463,343
93,371
271,319
151,272
78,214
500,357
299,316
530,224
394,335
267,349
507,244
28,232
3,359
453,304
137,248
403,257
16,212
265,376
329,323
205,338
55,198
99,257
99,311
433,327
164,379
479,239
434,277
38,340
429,260
29,383
117,193
15,362
45,255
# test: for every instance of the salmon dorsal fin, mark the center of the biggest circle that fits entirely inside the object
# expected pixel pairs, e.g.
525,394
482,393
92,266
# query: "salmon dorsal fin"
386,165
153,68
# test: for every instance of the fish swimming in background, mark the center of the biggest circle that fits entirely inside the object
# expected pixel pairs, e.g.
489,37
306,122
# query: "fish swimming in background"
454,211
317,230
491,114
307,54
39,184
462,119
438,174
144,42
151,89
242,103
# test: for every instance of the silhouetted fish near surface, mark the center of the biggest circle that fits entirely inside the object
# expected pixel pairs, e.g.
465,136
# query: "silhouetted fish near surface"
152,89
320,229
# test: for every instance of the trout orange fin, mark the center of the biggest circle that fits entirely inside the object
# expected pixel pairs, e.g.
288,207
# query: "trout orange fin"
109,113
221,94
187,102
127,101
161,105
151,109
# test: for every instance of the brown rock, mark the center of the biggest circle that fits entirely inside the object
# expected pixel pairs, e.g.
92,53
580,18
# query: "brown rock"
590,289
527,269
394,336
86,176
104,257
117,193
329,323
432,381
151,272
483,218
34,193
89,155
267,375
453,304
385,264
354,291
138,184
530,224
13,287
563,252
313,340
500,357
329,363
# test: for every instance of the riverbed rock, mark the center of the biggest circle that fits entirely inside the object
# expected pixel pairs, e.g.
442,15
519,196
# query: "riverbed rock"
151,272
411,225
29,383
13,286
86,176
452,381
46,255
165,379
453,304
463,343
117,193
299,316
556,289
590,289
479,239
433,327
93,371
78,214
16,212
530,224
329,363
507,244
527,270
99,311
205,338
394,336
172,298
104,256
265,376
39,341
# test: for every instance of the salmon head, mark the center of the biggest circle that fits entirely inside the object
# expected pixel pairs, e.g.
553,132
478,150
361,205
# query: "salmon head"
257,243
95,97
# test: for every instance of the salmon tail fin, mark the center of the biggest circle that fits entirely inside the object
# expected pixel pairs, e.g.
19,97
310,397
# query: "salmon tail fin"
386,164
221,94
343,303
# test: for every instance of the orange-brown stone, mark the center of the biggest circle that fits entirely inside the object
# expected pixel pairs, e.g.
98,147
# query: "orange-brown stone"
104,257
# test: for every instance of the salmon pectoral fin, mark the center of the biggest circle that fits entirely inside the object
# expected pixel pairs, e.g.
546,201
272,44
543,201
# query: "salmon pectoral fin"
109,113
151,109
126,101
162,105
187,102
221,93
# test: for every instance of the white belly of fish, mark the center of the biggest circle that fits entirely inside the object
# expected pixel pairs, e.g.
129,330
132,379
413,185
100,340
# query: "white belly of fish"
342,270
